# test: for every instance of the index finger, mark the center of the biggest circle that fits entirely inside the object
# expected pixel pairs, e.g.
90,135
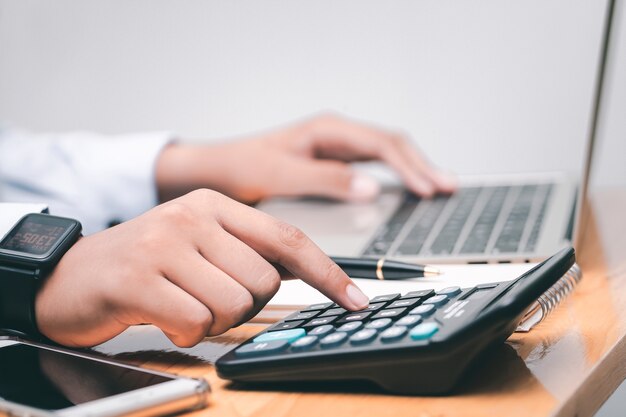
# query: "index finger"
288,246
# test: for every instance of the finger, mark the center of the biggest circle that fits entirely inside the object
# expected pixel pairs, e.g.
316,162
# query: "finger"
285,274
285,244
183,319
240,262
327,178
228,301
338,136
443,182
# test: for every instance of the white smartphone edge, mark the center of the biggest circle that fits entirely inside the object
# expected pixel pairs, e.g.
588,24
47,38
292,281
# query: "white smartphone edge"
177,395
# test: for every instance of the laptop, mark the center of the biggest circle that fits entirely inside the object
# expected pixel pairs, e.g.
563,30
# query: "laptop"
490,219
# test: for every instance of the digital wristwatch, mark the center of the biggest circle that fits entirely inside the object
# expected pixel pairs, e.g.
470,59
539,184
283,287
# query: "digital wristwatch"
28,253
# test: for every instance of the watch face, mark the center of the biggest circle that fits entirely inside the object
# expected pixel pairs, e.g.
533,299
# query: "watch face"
37,235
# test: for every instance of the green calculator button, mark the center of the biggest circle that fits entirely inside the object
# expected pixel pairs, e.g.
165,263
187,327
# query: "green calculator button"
263,348
424,331
290,335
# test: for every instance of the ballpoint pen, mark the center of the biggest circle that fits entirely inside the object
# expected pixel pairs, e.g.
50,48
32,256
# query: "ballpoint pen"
383,269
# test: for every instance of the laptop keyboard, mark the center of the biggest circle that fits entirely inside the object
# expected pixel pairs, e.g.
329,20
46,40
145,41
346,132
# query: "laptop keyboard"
475,220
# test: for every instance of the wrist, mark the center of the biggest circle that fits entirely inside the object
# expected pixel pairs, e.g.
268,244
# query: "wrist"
177,170
27,255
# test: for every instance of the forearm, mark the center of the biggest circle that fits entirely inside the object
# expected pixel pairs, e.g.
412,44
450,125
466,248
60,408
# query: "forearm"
225,168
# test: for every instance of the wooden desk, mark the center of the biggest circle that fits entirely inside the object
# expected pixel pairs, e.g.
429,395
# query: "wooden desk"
567,366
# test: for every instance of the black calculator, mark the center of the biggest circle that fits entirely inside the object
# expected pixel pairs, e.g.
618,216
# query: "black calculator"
415,343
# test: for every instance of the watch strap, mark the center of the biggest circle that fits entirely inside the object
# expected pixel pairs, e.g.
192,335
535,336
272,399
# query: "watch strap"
18,288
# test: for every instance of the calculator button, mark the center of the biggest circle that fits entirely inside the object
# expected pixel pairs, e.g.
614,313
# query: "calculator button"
320,321
424,331
302,315
437,300
389,313
286,325
363,336
262,348
486,286
321,330
424,310
351,327
388,297
449,291
305,342
354,317
408,303
334,339
333,312
378,324
288,335
393,333
418,294
409,321
374,307
320,306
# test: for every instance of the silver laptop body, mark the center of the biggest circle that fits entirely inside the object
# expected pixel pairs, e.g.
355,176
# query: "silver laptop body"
512,218
491,219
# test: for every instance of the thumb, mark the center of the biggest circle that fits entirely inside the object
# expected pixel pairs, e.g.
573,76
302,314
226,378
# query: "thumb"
333,179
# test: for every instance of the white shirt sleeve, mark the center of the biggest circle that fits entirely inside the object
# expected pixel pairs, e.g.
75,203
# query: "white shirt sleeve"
11,213
93,178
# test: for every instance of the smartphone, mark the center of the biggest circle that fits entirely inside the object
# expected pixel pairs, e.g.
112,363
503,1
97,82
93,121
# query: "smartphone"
43,381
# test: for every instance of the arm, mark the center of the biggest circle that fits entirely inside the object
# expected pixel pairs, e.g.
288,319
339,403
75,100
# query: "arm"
307,158
100,179
193,266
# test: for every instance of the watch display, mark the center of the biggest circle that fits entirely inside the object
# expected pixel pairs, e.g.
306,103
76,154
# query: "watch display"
28,253
33,237
37,235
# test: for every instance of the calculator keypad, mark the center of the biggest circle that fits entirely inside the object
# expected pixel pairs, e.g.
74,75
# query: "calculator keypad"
325,327
418,343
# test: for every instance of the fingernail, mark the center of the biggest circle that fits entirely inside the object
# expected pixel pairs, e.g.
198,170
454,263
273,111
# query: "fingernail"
449,181
357,297
363,188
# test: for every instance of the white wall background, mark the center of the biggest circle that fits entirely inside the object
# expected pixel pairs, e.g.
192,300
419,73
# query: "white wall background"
483,86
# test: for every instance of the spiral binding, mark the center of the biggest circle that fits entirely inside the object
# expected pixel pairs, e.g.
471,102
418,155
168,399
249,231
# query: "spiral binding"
550,299
561,289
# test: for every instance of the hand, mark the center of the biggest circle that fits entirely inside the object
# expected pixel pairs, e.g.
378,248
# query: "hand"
309,158
194,266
